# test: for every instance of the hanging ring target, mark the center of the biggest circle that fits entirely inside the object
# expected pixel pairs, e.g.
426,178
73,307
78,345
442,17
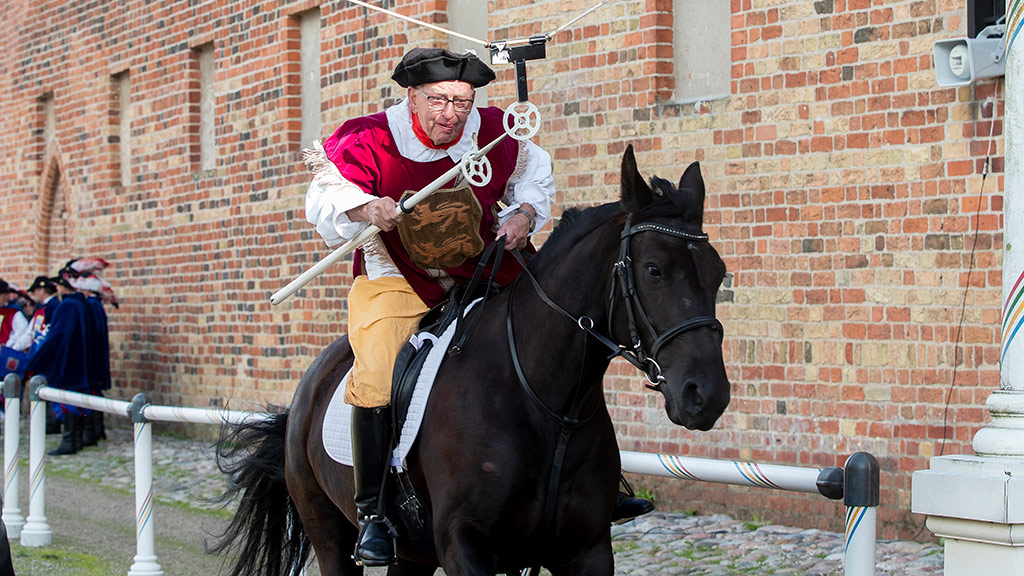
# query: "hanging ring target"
522,120
476,171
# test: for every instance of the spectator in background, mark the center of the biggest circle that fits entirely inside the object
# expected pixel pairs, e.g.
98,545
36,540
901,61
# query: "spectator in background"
62,357
12,321
43,293
93,287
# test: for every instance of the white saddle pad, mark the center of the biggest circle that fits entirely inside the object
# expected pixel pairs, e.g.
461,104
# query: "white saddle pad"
337,432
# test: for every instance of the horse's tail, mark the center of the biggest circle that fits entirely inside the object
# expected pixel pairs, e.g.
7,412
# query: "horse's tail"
266,535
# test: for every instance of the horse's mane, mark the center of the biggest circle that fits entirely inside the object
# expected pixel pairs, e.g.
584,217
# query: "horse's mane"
575,223
669,201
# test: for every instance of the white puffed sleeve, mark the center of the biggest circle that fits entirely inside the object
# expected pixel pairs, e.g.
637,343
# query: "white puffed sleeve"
531,183
329,196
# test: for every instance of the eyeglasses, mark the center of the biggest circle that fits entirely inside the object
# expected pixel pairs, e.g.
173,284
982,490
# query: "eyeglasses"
438,103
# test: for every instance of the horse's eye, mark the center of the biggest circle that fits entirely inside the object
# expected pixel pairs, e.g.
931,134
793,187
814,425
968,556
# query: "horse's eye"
654,271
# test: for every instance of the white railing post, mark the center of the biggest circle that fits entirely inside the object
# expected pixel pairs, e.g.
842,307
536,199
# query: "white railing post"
12,517
36,532
861,497
145,550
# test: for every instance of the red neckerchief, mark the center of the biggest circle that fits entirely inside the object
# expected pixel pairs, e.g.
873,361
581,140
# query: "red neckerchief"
421,135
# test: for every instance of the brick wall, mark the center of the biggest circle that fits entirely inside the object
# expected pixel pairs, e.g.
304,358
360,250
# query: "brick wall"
844,193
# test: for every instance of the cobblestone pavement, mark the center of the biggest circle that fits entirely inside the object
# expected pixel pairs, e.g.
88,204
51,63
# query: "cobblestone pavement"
658,543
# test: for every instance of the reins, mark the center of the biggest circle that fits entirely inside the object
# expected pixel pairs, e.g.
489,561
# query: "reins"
622,277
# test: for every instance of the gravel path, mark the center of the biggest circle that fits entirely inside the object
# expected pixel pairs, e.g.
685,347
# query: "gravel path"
99,522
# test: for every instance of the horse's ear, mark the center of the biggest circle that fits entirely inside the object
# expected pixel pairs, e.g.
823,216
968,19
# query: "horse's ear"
635,192
693,180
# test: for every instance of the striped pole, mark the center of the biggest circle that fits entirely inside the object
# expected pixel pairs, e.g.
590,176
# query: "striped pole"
861,499
12,517
790,478
198,415
36,532
145,550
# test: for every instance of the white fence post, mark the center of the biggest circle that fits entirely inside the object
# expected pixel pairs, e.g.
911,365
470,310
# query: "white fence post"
145,550
36,532
12,517
861,497
857,485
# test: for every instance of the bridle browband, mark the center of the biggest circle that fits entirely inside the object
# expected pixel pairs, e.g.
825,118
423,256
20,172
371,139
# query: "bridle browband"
622,271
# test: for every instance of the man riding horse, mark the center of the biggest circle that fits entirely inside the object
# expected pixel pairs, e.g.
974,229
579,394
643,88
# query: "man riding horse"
361,173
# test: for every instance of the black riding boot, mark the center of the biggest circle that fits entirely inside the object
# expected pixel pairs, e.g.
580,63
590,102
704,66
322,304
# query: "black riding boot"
370,456
71,437
628,507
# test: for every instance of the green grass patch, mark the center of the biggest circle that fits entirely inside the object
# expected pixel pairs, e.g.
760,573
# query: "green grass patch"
53,562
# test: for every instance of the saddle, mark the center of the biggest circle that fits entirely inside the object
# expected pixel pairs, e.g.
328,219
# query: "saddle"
400,494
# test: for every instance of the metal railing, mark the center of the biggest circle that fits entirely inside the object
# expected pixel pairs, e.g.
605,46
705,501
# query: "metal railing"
35,530
857,484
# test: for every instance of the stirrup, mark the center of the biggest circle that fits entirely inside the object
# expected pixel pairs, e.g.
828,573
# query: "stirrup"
391,531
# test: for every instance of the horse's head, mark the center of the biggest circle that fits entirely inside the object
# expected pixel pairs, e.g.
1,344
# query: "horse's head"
666,294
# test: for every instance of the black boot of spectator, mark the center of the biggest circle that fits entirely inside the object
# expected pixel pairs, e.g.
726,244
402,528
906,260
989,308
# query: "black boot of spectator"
101,432
89,437
52,425
71,437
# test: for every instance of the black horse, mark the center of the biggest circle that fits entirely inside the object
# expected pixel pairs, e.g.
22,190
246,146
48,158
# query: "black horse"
516,461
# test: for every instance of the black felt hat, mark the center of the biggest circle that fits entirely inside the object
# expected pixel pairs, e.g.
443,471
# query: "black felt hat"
62,279
40,282
426,65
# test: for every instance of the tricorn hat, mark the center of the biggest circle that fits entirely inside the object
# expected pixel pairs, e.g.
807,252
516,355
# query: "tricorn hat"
426,65
40,282
63,279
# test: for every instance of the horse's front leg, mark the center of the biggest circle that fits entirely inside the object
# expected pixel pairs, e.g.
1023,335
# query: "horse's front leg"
463,550
594,561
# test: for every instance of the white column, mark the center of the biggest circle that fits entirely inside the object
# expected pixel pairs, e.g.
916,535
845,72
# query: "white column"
1005,435
12,517
36,531
976,503
145,550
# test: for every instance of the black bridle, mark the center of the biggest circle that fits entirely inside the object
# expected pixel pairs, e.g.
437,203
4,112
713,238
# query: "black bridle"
622,281
622,274
623,286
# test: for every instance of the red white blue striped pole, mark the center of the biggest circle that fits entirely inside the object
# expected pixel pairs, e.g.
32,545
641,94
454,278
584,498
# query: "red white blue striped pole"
861,496
145,550
36,531
789,478
857,486
13,519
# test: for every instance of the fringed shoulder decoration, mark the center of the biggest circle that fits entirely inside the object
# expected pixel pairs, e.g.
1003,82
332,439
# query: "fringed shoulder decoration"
317,162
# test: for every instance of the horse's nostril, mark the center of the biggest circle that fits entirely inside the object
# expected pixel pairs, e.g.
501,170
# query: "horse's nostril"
693,398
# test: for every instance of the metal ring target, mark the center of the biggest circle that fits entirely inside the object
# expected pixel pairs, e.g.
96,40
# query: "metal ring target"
522,120
476,171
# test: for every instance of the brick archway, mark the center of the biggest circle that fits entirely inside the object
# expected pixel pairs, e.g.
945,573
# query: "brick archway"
54,219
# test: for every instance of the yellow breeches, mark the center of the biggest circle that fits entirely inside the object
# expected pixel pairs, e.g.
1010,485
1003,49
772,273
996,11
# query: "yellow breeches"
382,314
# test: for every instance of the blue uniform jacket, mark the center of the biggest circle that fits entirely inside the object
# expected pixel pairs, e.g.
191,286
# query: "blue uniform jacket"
62,356
98,344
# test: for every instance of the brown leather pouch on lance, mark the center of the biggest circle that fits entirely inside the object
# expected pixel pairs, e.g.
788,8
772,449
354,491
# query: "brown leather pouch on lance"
411,357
